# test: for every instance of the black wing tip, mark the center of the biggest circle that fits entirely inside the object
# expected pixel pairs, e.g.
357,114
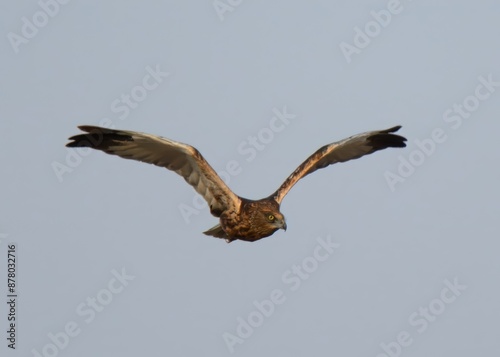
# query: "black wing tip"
78,140
96,137
385,139
88,128
97,129
392,130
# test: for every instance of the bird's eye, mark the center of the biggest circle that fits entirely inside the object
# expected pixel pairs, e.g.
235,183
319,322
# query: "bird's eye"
270,217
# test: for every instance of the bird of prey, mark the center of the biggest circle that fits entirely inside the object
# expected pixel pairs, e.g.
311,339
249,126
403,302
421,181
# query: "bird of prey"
239,218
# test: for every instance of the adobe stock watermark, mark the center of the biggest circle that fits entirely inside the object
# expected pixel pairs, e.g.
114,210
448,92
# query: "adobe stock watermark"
222,7
292,278
364,36
121,107
31,26
454,116
421,319
249,148
86,312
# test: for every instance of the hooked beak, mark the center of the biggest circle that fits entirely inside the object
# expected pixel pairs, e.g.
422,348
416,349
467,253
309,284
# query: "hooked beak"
283,226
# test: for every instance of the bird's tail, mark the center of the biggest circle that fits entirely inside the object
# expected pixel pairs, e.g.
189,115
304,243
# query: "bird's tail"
218,232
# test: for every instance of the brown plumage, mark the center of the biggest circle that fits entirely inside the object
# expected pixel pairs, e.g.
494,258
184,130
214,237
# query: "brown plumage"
239,218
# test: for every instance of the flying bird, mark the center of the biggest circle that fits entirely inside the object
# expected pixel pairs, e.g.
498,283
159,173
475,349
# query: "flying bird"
239,218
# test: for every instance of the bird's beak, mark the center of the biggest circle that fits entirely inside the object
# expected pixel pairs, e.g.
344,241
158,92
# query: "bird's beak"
283,226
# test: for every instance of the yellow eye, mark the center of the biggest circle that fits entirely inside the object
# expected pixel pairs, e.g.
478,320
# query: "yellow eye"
270,218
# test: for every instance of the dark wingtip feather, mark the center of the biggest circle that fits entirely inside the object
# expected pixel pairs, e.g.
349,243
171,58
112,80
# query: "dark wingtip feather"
96,129
96,137
392,130
384,139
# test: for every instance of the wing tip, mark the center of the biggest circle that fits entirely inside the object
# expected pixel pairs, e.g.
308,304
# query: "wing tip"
87,128
78,140
95,136
392,130
385,139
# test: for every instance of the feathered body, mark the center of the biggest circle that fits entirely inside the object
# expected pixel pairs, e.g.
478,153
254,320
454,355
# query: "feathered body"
254,220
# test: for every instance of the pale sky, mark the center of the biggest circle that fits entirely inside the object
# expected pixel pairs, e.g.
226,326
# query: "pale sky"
392,254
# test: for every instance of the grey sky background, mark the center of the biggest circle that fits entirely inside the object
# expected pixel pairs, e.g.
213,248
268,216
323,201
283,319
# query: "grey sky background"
79,221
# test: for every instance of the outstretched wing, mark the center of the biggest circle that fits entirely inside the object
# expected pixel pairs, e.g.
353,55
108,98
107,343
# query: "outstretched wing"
181,158
340,151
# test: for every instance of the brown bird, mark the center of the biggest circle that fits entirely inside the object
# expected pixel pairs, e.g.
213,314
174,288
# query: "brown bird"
240,218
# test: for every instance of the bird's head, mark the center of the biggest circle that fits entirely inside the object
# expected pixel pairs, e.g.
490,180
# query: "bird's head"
273,219
261,218
266,217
